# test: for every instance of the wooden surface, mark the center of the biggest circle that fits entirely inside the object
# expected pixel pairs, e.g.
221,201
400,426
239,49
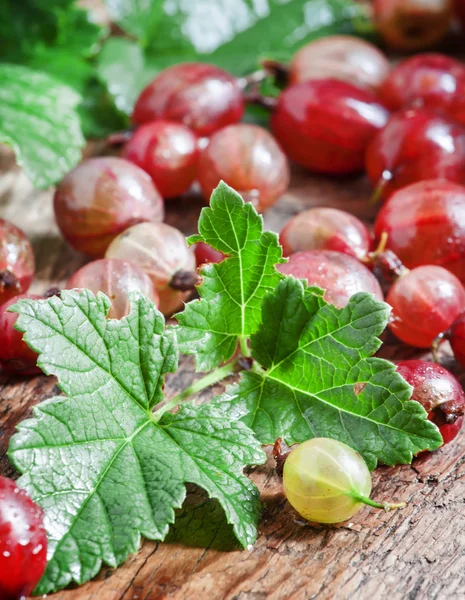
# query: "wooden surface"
416,553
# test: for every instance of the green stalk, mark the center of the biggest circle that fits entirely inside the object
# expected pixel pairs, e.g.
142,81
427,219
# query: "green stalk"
198,386
387,506
245,347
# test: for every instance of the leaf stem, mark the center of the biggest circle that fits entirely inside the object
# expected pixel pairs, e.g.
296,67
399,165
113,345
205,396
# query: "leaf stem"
199,385
244,347
387,506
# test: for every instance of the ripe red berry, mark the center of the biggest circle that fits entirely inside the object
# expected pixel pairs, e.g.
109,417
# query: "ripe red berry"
325,229
168,152
425,302
439,392
425,223
202,96
339,274
248,159
325,125
204,253
162,253
116,279
15,354
457,338
415,145
102,197
434,81
343,57
17,263
23,542
412,24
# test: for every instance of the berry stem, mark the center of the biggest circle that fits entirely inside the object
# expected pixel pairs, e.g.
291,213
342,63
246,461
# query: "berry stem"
387,506
199,385
184,281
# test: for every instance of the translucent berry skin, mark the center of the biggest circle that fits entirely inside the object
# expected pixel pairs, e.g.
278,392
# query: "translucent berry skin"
438,391
457,338
23,542
168,152
342,57
116,279
204,253
319,477
433,81
425,302
248,159
325,229
425,223
339,274
415,145
17,264
202,96
15,354
325,125
410,25
102,197
160,251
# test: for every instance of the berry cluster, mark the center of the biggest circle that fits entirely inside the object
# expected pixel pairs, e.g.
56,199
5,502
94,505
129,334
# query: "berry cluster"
343,110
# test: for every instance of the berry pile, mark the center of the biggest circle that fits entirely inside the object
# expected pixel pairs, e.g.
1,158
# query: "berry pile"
343,110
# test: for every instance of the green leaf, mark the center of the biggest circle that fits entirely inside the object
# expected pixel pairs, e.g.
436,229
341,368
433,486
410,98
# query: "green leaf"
122,67
319,379
48,25
232,291
105,468
139,18
38,119
235,35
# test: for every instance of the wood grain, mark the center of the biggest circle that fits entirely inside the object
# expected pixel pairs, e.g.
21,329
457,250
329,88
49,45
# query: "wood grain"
416,553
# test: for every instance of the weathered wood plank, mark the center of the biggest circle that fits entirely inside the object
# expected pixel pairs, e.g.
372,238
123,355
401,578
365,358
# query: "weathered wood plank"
415,553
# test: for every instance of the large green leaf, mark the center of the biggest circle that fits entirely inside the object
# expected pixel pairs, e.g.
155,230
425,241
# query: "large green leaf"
105,468
320,380
38,119
232,291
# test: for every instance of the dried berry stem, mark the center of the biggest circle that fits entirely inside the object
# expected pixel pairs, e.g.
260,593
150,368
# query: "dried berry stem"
184,281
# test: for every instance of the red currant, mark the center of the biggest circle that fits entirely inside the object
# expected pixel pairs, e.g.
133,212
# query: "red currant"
116,279
204,253
160,251
202,96
325,125
439,392
168,152
15,354
248,159
102,197
425,302
325,229
412,24
23,542
339,274
457,338
434,81
416,144
425,223
17,263
344,57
